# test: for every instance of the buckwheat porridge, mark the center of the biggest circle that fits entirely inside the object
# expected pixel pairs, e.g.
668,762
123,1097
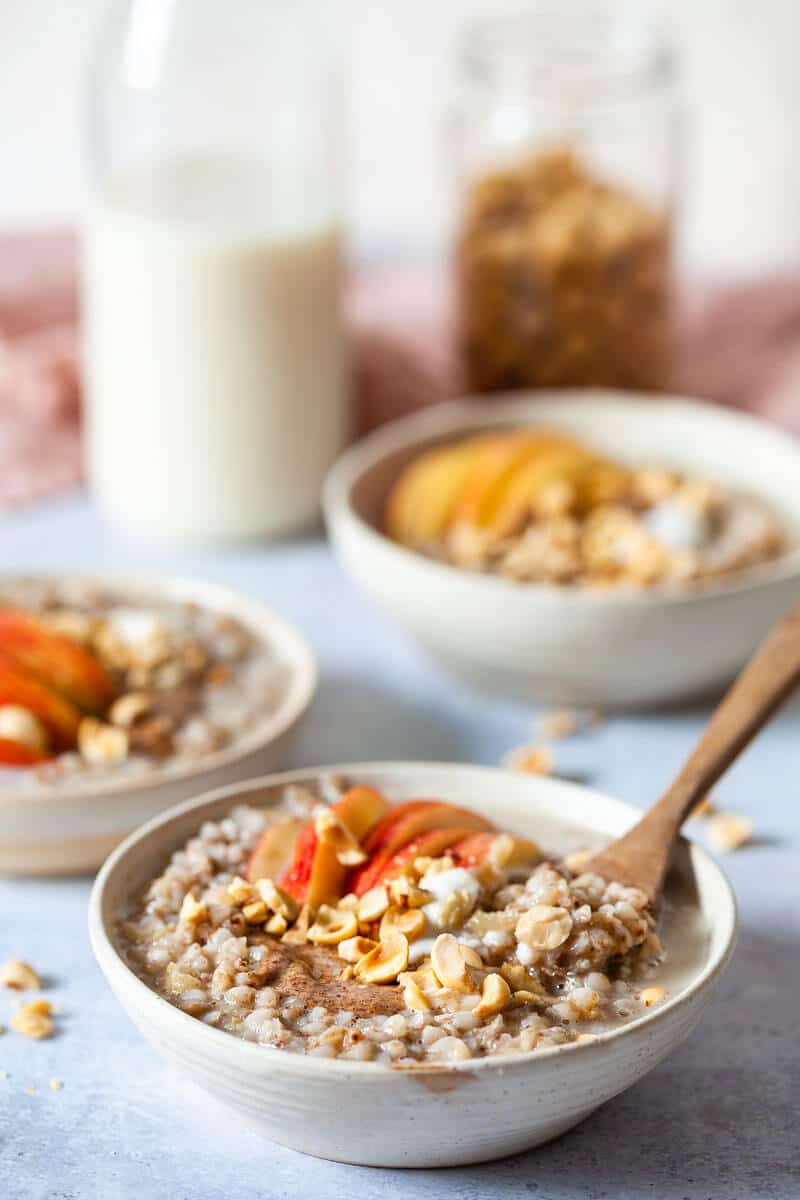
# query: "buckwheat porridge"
346,927
538,506
95,682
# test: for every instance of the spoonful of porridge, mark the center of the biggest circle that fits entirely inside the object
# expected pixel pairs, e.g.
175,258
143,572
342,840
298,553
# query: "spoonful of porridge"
640,858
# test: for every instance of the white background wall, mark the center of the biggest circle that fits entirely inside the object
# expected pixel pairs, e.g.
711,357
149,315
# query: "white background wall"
743,71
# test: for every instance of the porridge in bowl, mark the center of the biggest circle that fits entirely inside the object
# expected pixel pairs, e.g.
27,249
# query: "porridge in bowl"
340,926
538,506
96,682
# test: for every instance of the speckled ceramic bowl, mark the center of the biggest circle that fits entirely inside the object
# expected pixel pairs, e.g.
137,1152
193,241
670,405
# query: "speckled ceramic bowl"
563,645
55,831
433,1116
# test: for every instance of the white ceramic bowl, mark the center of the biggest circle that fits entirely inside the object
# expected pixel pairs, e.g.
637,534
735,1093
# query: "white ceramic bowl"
373,1114
567,645
54,831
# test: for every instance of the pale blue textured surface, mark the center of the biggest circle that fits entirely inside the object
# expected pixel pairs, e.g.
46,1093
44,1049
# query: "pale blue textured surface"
718,1121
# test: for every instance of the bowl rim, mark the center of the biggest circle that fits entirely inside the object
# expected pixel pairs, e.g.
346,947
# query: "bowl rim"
467,414
291,647
114,966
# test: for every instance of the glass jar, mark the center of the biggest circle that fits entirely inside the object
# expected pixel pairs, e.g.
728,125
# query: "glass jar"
215,354
566,138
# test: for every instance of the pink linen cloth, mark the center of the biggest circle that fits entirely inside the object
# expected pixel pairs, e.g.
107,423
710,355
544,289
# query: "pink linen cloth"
39,372
739,345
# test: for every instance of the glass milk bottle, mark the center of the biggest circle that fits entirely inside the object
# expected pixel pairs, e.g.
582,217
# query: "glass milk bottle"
216,393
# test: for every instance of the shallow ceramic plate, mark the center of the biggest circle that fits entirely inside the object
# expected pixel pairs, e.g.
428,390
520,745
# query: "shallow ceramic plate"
567,645
53,831
429,1116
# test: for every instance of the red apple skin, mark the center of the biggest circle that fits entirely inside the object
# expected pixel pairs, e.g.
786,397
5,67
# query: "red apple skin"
17,754
473,849
315,875
409,821
296,879
384,867
274,850
379,831
60,718
56,661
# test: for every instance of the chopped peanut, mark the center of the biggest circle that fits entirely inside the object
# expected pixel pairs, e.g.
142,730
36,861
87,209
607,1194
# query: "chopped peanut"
450,962
21,725
20,976
100,743
557,725
298,933
530,760
544,927
255,913
333,925
34,1020
331,832
495,996
240,891
407,894
728,832
409,921
193,911
386,961
277,900
652,995
372,905
414,998
353,949
127,710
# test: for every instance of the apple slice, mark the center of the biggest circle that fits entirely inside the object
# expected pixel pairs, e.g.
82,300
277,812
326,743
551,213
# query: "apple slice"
274,850
408,821
17,754
474,850
316,876
497,467
57,714
377,835
421,503
56,661
383,867
513,506
359,809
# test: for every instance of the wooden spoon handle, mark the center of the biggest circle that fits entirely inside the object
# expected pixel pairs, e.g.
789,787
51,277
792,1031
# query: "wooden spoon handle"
641,857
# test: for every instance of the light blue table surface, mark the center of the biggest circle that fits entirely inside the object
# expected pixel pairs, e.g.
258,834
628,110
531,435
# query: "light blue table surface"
720,1120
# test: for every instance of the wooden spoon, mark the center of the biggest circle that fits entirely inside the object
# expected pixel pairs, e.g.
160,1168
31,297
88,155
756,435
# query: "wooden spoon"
640,858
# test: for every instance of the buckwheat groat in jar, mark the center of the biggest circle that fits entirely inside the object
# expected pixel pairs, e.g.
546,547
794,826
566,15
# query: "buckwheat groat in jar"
565,135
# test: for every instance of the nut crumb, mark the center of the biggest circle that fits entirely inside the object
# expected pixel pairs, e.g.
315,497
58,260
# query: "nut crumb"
563,724
530,760
34,1020
30,1089
56,1085
20,976
575,861
729,831
100,743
